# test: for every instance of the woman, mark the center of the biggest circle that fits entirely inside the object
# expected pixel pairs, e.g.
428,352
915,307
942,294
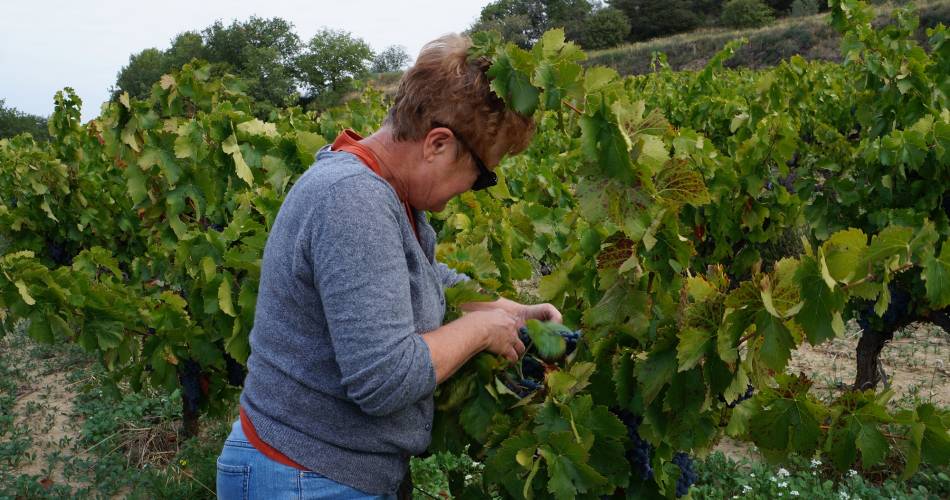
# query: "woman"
348,343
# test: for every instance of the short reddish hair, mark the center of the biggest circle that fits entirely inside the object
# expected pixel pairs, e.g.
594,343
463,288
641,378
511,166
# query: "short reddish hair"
445,86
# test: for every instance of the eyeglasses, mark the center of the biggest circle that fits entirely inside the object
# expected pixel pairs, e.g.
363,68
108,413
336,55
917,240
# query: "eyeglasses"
486,178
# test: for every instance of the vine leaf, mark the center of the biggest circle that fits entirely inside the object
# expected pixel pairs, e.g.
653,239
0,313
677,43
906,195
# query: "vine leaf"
820,315
778,342
693,345
843,252
25,293
656,372
786,425
890,241
547,338
606,145
510,79
230,146
937,277
676,184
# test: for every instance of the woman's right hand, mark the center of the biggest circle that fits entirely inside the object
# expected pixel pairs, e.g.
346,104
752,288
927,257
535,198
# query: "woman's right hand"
499,330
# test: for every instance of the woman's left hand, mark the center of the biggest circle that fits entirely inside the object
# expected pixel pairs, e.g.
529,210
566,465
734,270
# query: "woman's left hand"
541,312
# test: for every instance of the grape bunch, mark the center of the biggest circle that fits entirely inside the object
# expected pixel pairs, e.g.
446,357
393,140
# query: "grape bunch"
189,376
525,387
749,391
687,476
235,370
533,368
639,454
570,339
57,252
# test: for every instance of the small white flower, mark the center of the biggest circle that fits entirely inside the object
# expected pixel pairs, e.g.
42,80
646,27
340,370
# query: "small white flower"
852,473
468,477
844,495
783,484
773,479
780,494
793,493
782,472
815,463
752,475
746,488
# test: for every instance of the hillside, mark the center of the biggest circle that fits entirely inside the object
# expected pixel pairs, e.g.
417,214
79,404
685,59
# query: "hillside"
812,37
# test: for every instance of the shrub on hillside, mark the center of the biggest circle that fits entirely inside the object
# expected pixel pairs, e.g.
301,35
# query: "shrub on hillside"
804,8
604,28
746,14
655,18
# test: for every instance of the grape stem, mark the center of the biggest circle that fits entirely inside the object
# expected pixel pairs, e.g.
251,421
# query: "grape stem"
871,276
572,107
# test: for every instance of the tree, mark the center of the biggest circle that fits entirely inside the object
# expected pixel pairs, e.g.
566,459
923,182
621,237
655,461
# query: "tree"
185,47
144,69
523,21
392,58
572,15
653,18
604,28
14,122
519,21
261,51
330,62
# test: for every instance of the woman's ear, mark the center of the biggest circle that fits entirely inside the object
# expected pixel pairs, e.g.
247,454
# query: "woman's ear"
437,142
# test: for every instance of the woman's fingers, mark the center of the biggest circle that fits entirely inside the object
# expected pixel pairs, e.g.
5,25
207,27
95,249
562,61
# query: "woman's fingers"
519,347
543,312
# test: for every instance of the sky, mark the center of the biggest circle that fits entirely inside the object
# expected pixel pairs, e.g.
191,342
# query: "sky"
46,45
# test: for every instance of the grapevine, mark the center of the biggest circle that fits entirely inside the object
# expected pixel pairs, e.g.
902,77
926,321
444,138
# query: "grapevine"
698,227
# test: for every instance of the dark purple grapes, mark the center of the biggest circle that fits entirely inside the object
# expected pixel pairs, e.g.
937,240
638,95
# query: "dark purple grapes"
527,387
749,391
57,253
523,335
687,475
524,387
570,340
236,371
639,453
532,368
189,376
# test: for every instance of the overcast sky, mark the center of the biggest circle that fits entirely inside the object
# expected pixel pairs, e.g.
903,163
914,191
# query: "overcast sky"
46,45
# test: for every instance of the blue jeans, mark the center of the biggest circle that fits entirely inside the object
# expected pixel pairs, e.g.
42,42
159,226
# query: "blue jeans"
246,474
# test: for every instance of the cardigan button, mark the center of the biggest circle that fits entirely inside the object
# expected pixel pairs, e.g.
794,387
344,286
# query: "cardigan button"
428,427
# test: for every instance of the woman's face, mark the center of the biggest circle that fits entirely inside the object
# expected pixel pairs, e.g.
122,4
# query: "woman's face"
448,170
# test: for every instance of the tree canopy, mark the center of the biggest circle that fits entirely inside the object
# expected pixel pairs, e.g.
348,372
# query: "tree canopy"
278,69
14,122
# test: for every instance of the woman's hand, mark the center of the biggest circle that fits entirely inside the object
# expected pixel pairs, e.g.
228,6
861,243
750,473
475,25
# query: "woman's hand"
500,330
541,312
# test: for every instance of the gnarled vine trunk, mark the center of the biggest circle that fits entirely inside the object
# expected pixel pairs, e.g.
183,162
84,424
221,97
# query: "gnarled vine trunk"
869,358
